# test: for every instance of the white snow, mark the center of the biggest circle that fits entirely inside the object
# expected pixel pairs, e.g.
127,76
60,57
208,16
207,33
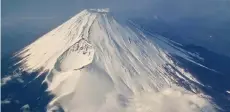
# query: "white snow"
96,64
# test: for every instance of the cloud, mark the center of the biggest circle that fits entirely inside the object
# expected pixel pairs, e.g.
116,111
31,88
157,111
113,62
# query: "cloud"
6,101
170,99
8,78
25,108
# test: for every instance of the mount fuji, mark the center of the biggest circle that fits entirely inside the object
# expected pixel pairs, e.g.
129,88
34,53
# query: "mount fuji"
95,63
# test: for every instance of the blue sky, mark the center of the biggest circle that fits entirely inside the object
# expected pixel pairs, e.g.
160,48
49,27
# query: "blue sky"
33,18
47,9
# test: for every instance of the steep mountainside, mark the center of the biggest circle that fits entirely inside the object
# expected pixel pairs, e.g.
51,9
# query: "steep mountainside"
95,64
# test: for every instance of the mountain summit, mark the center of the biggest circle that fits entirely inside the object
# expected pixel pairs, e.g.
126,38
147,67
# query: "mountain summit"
96,64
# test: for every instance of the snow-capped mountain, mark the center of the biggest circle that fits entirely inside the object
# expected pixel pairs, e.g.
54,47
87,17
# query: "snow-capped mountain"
95,64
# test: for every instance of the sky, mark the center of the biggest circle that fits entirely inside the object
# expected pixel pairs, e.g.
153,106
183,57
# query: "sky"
13,10
33,18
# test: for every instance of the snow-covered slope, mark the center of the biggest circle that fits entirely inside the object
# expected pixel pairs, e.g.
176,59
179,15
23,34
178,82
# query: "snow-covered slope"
95,64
